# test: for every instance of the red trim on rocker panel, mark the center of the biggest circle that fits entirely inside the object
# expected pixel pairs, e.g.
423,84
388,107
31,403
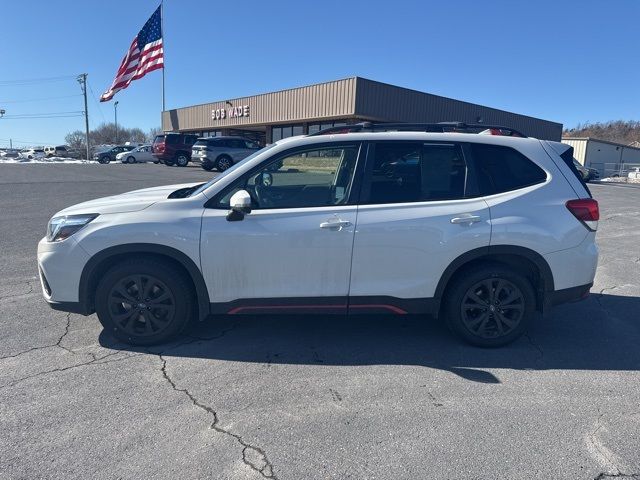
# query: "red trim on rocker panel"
283,307
391,308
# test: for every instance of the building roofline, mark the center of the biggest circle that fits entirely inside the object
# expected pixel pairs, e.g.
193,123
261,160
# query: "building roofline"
356,78
230,99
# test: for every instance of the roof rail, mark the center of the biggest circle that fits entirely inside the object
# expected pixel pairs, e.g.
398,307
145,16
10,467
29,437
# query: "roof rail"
442,127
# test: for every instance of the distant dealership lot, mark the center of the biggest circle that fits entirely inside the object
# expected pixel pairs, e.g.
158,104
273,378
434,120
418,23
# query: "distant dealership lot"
298,397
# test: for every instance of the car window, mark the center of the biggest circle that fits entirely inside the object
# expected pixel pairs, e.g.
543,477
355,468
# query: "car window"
416,172
310,178
236,143
502,169
190,140
251,145
171,139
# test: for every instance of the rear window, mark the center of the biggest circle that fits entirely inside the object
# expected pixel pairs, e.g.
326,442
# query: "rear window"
502,169
201,143
416,172
158,139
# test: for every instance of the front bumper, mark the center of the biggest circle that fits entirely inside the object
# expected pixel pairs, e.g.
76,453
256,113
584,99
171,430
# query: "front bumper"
200,159
60,265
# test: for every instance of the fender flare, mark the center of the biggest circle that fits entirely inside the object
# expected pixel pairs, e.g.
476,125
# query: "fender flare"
202,294
534,257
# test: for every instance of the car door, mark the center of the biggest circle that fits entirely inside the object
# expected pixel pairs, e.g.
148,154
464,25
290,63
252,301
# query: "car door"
418,213
294,249
236,149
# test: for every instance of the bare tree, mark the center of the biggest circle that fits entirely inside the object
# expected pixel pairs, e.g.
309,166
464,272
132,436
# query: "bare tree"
76,140
151,135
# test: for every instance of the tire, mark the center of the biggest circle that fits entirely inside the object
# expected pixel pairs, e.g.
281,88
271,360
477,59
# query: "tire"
104,160
223,162
208,166
493,323
182,159
131,159
147,322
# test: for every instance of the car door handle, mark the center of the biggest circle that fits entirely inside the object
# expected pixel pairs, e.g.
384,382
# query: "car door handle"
467,218
335,224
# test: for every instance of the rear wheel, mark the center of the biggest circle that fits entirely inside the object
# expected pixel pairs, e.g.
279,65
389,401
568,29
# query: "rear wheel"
490,306
144,302
223,162
182,159
104,160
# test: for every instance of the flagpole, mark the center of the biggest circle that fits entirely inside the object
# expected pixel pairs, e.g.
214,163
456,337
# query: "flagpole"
164,55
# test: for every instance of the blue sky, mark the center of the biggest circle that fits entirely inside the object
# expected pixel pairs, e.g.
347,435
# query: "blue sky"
567,61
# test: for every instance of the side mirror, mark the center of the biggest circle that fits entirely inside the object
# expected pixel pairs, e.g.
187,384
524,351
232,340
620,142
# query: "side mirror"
240,204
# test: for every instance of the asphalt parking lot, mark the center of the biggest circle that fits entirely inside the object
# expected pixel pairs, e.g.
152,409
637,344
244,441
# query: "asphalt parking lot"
310,398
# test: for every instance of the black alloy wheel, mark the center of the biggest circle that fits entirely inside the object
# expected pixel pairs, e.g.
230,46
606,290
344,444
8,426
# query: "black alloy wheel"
490,306
144,302
223,163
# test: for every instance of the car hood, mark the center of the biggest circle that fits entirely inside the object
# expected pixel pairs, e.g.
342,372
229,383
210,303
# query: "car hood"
126,202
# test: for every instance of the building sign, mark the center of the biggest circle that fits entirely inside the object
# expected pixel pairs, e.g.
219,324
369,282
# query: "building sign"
232,112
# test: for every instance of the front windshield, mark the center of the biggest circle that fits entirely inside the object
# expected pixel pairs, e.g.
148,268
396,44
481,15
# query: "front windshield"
230,170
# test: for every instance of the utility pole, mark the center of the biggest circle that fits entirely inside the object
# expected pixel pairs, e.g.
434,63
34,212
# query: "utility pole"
82,80
115,110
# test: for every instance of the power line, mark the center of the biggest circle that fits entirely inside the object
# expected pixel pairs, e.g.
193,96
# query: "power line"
16,115
93,96
43,116
40,99
35,81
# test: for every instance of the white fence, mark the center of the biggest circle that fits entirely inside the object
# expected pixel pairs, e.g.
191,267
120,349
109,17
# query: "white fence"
615,169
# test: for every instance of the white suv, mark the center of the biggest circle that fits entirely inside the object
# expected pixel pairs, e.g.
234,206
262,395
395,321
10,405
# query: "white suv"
482,230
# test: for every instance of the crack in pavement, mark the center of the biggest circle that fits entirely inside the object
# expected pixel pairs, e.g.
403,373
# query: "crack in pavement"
22,294
606,457
252,456
94,361
536,346
57,344
605,476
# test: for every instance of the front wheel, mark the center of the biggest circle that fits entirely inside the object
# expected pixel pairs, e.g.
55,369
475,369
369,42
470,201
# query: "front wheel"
182,160
490,305
131,159
208,166
104,160
144,302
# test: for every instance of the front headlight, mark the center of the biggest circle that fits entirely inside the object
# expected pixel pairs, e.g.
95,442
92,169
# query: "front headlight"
61,228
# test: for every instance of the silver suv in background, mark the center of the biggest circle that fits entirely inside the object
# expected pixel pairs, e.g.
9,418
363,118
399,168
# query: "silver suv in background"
221,152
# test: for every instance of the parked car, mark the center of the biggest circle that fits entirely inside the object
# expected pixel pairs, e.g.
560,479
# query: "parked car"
32,153
139,154
587,174
59,151
107,156
221,152
480,230
10,153
174,148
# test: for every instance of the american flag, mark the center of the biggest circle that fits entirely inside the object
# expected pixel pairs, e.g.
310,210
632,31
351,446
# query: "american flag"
144,55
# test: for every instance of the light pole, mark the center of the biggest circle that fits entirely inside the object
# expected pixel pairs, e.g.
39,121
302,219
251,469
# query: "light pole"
115,112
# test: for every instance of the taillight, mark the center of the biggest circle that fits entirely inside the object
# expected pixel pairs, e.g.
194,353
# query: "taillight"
586,210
